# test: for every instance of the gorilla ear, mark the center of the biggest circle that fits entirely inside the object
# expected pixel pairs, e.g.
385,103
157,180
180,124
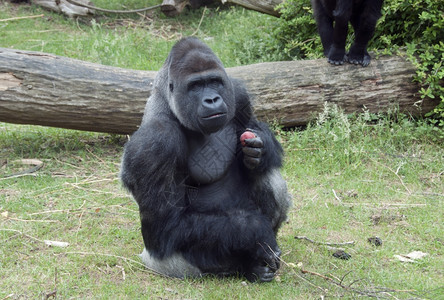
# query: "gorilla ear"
171,87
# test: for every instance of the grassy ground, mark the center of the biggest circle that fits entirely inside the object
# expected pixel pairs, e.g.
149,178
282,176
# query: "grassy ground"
352,178
237,36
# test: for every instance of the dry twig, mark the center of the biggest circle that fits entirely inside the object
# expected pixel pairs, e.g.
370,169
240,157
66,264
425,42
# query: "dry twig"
322,243
394,172
375,292
200,22
22,18
336,196
114,11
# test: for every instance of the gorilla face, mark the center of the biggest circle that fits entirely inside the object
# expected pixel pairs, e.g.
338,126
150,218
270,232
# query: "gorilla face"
201,94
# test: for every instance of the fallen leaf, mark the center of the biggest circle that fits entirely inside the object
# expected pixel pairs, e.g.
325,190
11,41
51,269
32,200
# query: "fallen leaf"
56,243
411,257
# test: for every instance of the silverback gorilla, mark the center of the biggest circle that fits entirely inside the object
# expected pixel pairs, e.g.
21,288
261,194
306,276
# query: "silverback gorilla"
209,203
362,14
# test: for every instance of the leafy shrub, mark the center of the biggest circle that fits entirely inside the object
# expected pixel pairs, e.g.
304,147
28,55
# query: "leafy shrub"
416,26
411,26
296,32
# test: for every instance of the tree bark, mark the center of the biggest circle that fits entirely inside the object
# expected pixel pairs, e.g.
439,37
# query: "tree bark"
44,89
263,6
173,8
65,7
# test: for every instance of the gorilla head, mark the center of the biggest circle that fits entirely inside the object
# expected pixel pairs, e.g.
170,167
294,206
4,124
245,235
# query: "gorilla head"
198,86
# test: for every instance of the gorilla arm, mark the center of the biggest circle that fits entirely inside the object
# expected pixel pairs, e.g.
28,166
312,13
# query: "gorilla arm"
262,157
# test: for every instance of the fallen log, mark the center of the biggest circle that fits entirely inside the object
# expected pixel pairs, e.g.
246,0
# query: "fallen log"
45,89
63,6
263,6
170,8
173,8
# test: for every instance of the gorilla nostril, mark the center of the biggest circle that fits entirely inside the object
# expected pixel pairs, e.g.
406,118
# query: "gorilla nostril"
212,100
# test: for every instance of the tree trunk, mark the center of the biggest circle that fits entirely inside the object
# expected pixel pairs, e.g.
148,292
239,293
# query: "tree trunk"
44,89
263,6
63,6
173,8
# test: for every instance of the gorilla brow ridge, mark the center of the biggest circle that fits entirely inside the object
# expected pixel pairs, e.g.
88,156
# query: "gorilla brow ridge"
196,61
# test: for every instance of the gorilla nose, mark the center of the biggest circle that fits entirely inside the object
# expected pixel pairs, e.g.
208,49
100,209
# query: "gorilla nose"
212,101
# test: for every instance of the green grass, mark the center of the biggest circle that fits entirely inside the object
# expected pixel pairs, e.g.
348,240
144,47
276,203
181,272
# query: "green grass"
237,36
382,179
351,177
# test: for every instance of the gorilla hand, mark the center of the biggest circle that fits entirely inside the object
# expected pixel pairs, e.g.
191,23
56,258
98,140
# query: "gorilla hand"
263,269
253,148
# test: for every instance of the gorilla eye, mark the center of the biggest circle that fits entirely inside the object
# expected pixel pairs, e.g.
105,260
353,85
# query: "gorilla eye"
171,87
195,85
215,83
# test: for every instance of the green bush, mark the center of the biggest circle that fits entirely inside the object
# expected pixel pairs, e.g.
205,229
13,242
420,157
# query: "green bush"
415,27
296,32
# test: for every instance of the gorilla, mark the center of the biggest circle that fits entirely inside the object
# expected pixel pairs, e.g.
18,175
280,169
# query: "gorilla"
362,14
205,173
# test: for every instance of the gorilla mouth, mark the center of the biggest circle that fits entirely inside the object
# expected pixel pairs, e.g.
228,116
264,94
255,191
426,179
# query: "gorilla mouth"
214,116
213,122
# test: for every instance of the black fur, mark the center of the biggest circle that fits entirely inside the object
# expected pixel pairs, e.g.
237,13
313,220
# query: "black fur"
205,201
362,14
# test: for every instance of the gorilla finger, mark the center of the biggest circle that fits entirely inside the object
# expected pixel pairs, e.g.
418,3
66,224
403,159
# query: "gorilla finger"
253,152
254,142
273,262
277,258
251,162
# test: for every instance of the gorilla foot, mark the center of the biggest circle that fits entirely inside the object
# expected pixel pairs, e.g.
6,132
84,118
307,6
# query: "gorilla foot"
359,59
336,55
337,59
336,62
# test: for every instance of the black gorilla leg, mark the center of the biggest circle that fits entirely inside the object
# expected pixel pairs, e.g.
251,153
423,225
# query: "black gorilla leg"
342,14
333,38
336,54
325,29
256,260
364,25
358,54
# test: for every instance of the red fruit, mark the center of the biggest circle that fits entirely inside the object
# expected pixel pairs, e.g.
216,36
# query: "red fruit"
245,136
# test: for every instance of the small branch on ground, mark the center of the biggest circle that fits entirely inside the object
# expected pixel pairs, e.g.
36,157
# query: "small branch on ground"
22,18
132,11
374,292
322,243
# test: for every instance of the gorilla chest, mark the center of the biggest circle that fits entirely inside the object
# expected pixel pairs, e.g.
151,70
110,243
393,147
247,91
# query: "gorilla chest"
211,155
